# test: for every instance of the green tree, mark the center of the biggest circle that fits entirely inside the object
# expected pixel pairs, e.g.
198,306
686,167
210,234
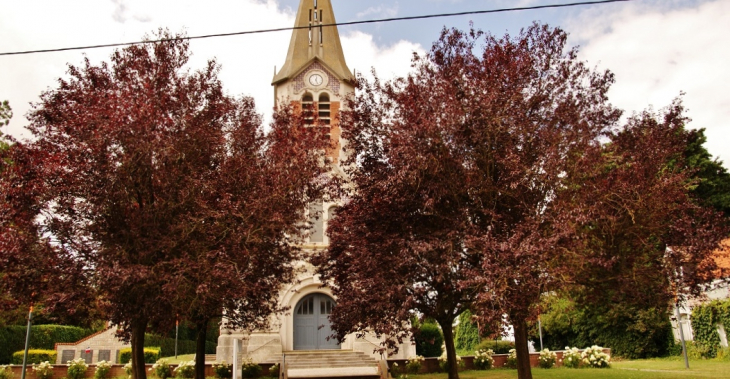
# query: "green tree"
713,187
466,337
6,113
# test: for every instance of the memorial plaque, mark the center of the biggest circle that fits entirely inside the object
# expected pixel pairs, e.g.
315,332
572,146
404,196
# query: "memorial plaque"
87,355
105,355
67,355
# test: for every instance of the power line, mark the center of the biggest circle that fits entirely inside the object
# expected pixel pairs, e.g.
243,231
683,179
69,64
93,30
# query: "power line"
439,15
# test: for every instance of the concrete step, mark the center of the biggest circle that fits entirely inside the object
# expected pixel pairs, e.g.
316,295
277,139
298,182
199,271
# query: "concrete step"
330,364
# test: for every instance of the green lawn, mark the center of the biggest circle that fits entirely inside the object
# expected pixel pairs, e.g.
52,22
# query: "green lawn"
670,368
180,359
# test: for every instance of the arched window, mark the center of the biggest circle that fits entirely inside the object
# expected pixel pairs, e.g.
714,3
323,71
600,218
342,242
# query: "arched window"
324,108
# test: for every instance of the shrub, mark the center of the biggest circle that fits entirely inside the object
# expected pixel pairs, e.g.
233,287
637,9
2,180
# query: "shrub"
547,359
429,340
102,370
151,355
511,359
185,370
595,357
497,346
696,350
414,363
571,357
43,370
161,369
483,359
443,362
723,354
274,371
466,336
167,346
250,369
223,370
35,356
77,368
43,337
5,373
128,370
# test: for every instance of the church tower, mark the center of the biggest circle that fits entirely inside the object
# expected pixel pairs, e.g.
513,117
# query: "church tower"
315,71
314,74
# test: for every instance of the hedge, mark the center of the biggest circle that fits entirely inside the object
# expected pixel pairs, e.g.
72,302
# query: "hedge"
41,337
151,355
167,345
35,356
498,346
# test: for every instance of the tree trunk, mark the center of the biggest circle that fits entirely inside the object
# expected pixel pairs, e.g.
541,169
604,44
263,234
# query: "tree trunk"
202,329
524,370
452,367
138,363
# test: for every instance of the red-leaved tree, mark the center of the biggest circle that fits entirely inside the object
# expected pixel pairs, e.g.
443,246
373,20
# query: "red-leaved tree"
168,192
454,169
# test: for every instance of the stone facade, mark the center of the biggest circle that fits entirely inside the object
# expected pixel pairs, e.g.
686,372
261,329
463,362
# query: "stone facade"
101,346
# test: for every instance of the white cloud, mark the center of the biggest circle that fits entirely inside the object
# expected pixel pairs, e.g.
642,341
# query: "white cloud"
380,10
247,61
658,50
363,54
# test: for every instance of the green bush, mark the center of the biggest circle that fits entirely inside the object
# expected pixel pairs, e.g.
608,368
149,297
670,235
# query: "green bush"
151,355
5,373
167,345
705,319
251,370
274,371
35,356
497,346
43,337
429,340
630,331
466,336
77,369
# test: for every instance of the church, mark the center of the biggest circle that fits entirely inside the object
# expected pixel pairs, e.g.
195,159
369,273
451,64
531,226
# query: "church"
314,73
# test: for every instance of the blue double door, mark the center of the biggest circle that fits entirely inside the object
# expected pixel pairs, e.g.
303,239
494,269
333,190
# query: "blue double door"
312,325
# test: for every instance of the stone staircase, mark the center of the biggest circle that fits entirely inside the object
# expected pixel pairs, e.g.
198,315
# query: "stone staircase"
333,364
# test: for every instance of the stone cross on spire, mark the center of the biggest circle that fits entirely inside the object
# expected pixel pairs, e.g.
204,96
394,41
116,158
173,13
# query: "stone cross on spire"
313,39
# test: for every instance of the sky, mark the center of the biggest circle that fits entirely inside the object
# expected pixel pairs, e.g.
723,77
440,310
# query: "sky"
656,48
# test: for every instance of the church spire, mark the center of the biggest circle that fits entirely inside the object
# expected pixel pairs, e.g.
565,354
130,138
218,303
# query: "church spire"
313,40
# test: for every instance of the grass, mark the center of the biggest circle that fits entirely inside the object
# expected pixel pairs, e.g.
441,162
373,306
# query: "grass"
180,358
664,368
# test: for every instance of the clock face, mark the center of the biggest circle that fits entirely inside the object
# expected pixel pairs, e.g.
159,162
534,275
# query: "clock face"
316,80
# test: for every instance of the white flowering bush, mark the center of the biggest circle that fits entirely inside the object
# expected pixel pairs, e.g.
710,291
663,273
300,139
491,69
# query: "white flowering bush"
185,370
274,371
251,369
511,359
444,361
595,357
5,372
483,359
547,359
161,369
572,357
43,370
223,370
414,363
77,368
102,370
128,369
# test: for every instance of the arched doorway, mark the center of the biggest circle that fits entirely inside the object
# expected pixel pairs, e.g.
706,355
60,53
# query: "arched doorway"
312,325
